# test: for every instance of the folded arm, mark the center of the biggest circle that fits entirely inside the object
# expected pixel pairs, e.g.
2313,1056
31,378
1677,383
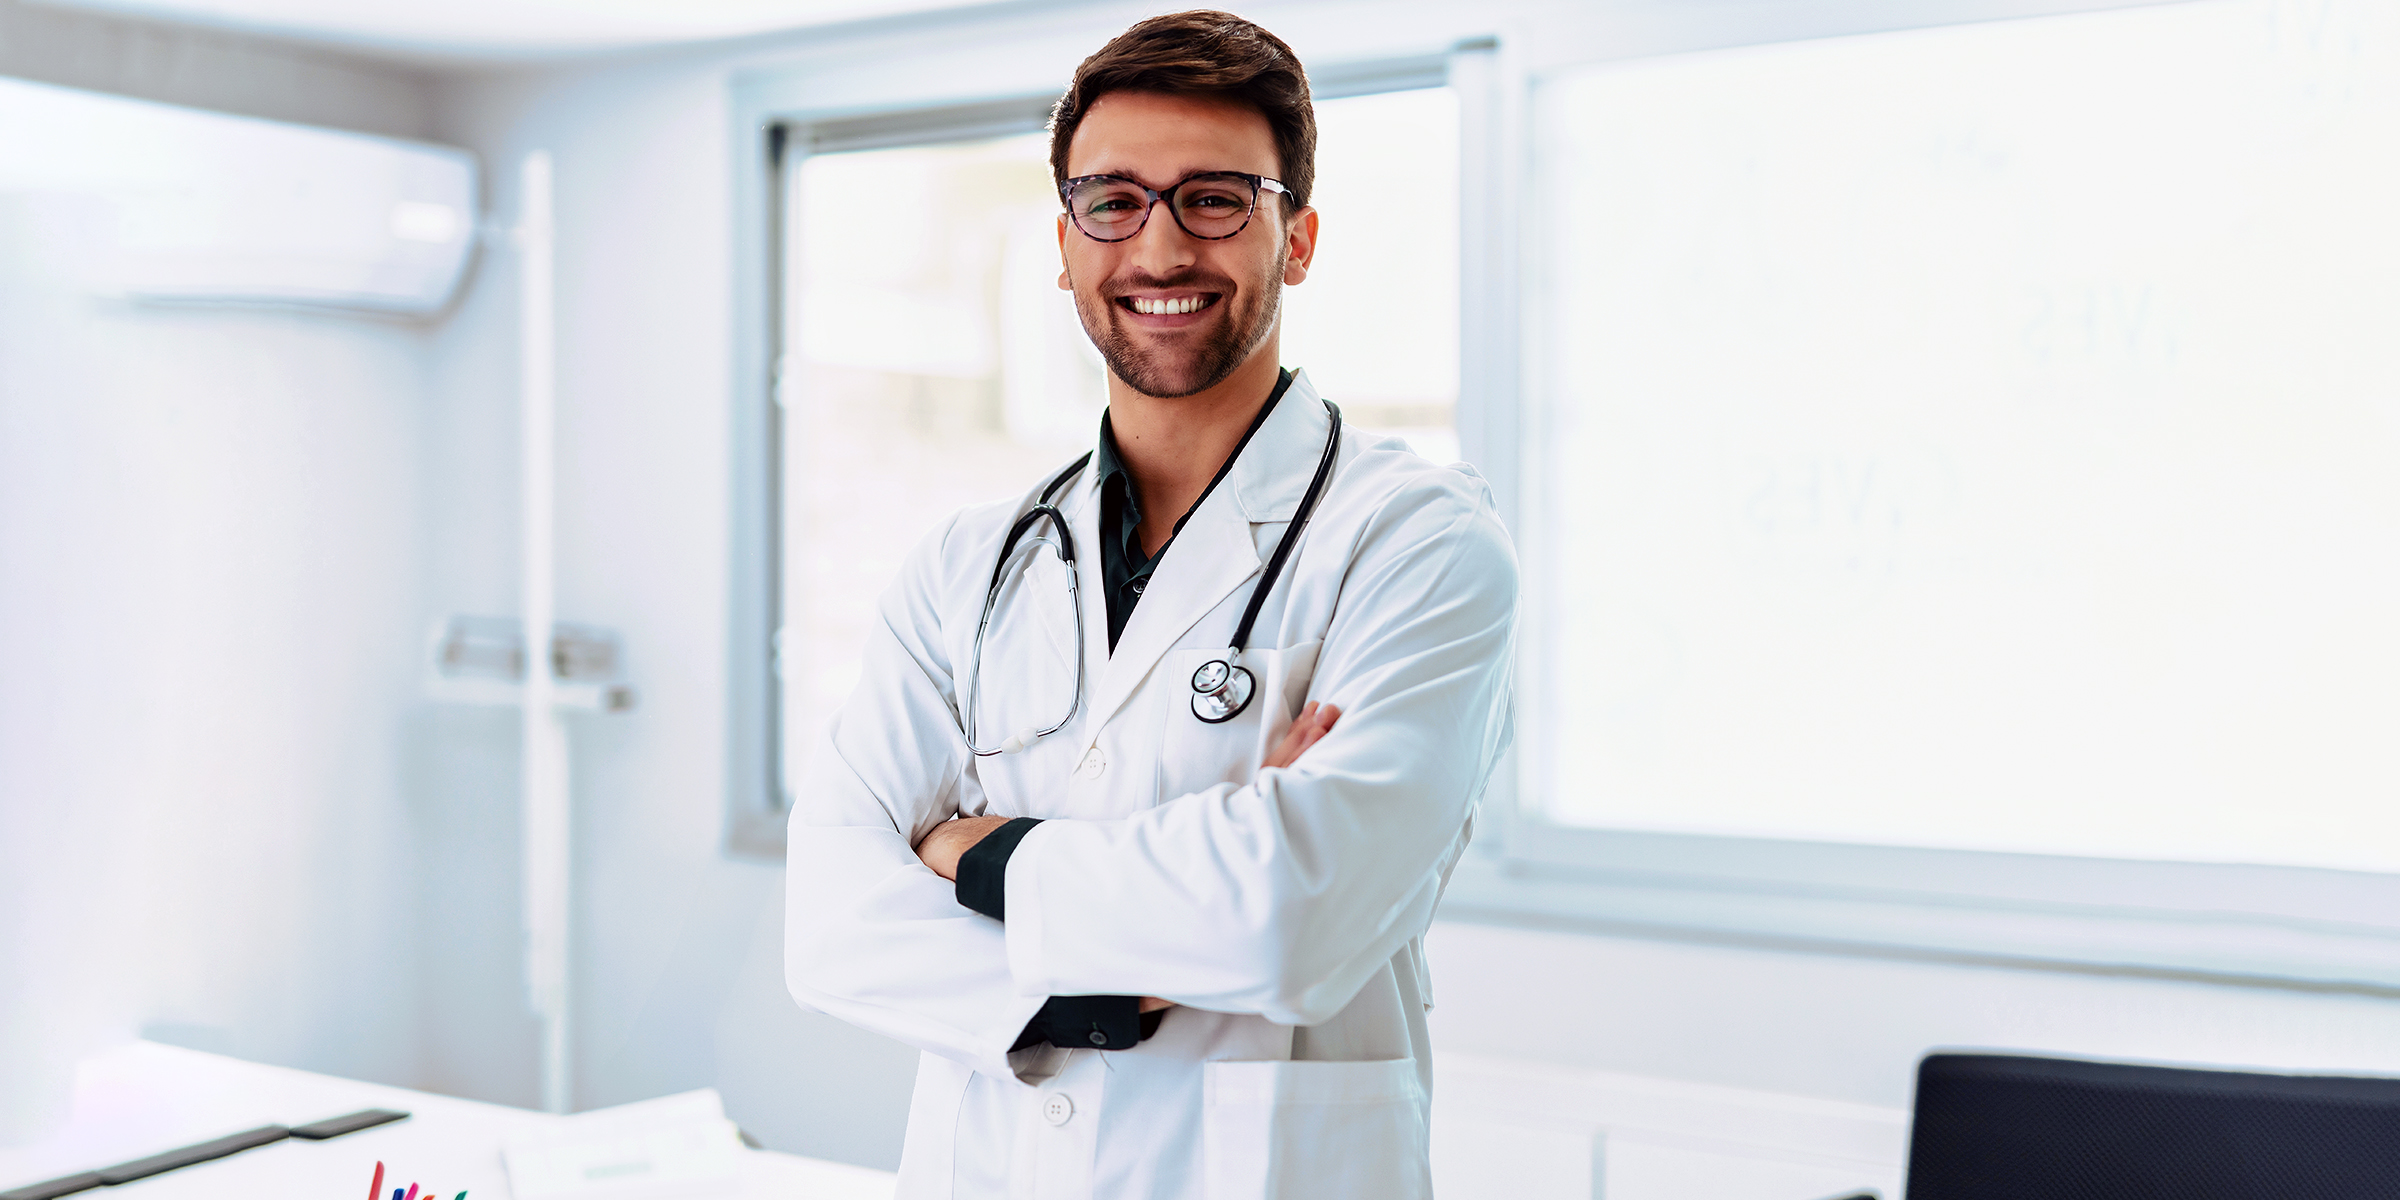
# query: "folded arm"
973,853
1281,897
871,935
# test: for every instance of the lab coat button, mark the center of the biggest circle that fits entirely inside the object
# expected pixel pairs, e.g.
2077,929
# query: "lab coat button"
1093,763
1056,1108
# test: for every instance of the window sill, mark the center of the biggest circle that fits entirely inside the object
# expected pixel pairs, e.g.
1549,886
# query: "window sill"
2244,925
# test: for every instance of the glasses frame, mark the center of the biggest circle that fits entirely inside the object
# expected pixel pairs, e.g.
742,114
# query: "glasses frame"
1258,184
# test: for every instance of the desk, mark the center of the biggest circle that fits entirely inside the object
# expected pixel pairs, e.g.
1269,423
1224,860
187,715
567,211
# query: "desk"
144,1098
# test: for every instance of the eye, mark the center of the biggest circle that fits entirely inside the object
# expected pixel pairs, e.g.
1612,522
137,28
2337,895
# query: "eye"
1216,195
1107,200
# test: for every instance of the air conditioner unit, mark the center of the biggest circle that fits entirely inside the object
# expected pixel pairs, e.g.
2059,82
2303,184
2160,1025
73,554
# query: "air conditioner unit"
210,207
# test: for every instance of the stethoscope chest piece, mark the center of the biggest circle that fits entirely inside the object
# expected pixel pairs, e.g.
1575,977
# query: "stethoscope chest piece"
1220,691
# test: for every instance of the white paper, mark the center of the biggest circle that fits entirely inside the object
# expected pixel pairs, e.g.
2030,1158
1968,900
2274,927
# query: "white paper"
674,1146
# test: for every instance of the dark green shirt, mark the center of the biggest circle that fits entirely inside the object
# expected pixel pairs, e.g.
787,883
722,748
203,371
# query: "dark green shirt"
1124,570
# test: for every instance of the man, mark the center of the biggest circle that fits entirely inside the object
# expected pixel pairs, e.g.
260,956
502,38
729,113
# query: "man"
1172,948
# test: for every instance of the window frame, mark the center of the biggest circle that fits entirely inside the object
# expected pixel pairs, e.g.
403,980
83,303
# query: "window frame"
2286,927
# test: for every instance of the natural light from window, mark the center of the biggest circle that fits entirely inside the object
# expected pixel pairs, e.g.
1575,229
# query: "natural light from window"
1982,437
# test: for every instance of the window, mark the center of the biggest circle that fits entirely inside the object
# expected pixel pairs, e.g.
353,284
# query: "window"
931,361
1978,438
1376,324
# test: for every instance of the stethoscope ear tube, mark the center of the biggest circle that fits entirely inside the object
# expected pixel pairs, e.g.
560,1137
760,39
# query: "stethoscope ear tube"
1033,516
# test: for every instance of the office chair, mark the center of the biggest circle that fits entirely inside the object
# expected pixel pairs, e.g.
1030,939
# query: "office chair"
2008,1127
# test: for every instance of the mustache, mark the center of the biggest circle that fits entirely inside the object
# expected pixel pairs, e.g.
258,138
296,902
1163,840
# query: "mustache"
1135,281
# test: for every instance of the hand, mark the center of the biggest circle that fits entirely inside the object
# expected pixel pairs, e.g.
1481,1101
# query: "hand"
1315,721
950,841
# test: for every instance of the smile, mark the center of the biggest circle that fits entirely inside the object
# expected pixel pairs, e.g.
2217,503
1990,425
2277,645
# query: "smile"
1166,306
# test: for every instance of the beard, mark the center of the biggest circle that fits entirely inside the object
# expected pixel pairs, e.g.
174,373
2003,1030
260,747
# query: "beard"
1245,318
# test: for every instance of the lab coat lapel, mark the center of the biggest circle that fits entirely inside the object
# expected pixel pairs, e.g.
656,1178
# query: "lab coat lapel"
1211,557
1082,506
1218,549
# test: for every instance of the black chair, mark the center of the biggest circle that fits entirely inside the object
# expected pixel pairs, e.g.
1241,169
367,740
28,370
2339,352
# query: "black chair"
2009,1127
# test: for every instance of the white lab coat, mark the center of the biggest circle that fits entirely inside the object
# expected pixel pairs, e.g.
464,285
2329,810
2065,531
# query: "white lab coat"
1282,909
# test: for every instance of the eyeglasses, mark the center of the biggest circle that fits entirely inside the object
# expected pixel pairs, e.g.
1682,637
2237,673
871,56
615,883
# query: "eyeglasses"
1214,205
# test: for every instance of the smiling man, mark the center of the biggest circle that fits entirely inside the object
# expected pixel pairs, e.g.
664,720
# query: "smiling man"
1155,771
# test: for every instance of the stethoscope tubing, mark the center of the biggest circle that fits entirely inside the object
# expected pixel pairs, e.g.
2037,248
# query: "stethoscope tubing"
1291,536
1223,688
1064,546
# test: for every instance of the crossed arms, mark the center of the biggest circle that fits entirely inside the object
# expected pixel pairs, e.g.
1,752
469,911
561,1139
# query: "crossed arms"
943,850
1278,898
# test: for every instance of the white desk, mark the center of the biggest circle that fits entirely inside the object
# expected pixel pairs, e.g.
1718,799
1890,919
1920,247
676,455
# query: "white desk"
144,1098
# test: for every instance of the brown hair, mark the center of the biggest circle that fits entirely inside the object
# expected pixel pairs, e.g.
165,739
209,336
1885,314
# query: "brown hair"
1201,53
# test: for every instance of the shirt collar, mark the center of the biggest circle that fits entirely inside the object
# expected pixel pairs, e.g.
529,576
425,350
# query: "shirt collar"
1106,462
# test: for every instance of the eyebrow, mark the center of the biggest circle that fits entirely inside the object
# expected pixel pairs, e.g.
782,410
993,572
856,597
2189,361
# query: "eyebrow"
1178,179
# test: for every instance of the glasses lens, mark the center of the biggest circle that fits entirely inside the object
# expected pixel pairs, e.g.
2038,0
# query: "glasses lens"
1107,208
1215,206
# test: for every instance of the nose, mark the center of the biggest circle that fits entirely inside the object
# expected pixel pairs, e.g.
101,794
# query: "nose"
1162,247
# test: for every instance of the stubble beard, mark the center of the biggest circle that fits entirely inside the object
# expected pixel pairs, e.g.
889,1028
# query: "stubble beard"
1249,319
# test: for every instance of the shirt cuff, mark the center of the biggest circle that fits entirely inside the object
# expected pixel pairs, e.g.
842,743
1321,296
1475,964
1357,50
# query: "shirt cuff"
1090,1023
983,869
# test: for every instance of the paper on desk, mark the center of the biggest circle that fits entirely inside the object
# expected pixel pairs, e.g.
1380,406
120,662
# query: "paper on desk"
665,1149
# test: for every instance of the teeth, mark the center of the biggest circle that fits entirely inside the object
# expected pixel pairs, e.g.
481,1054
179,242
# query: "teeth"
1142,304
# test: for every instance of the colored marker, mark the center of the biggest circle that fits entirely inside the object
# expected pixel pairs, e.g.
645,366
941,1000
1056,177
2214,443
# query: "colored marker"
375,1189
412,1192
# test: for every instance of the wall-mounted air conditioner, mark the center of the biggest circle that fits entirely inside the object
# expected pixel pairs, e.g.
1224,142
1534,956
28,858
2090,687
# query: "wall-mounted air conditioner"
201,206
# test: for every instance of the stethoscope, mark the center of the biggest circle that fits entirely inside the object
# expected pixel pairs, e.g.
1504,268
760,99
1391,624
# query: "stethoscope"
1221,688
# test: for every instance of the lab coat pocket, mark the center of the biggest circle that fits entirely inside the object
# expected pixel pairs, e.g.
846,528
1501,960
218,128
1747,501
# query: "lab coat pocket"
1196,755
1314,1131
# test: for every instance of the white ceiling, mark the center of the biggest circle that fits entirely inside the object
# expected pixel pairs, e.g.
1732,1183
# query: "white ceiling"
503,29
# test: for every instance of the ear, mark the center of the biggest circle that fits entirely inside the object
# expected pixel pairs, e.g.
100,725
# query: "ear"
1300,244
1064,284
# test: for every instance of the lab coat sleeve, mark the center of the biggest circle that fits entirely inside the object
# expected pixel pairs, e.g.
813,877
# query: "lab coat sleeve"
1283,896
872,935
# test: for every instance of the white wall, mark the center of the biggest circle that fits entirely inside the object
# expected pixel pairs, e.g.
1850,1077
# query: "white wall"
212,69
677,949
209,545
1774,1029
1847,1028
